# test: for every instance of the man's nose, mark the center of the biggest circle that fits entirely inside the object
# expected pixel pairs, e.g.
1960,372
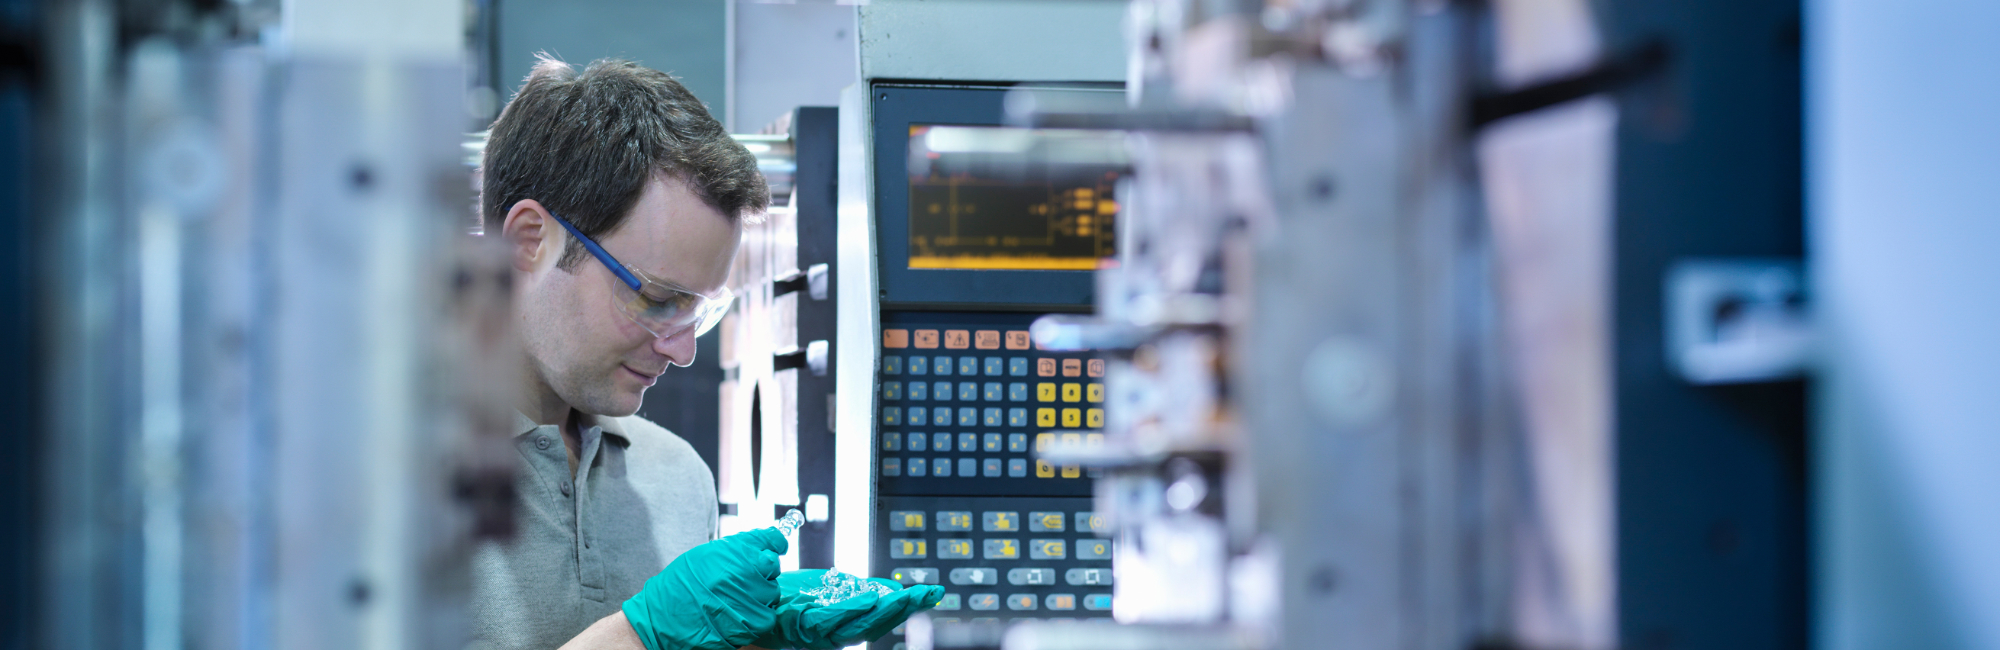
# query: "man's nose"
678,347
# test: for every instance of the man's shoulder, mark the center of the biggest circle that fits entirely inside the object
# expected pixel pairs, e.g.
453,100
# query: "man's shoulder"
650,440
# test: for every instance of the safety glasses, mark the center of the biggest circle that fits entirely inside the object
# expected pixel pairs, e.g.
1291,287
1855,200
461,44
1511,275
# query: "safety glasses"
663,309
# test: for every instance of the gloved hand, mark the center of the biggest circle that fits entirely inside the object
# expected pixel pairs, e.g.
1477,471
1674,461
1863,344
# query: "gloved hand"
717,596
812,615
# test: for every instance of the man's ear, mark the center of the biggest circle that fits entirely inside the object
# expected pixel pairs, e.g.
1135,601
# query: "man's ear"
533,237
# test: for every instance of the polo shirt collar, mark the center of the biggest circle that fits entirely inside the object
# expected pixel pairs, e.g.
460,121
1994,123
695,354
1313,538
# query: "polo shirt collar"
610,426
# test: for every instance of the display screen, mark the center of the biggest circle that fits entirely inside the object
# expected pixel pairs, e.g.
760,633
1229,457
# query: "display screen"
1016,199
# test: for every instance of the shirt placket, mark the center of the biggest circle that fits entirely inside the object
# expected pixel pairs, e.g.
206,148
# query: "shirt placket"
589,559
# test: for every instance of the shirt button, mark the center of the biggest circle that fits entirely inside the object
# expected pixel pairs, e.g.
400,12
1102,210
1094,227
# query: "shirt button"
566,489
542,442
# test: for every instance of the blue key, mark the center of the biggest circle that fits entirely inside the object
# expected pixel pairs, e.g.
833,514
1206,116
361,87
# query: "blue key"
892,390
941,467
993,365
1017,367
990,468
968,390
968,467
990,391
917,467
893,442
921,390
942,365
1017,417
968,366
968,416
992,416
993,443
1016,392
942,389
892,467
1016,467
940,441
1017,442
918,441
968,443
941,417
916,416
892,365
920,365
892,415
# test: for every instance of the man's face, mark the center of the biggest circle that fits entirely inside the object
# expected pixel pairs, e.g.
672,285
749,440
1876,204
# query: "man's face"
579,344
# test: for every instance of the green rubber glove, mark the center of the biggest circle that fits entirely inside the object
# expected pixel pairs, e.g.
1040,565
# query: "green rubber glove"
717,596
823,610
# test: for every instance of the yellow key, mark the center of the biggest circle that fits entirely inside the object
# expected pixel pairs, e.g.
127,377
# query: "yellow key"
961,521
1093,439
1072,471
1046,417
1007,550
1043,440
1072,392
913,520
1045,392
1093,418
1003,521
1052,521
1072,417
1044,470
1094,392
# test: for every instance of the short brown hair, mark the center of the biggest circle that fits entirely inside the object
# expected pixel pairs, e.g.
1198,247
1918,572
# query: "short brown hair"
584,145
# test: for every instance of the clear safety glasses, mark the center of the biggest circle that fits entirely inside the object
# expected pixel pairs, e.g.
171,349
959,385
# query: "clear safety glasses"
661,308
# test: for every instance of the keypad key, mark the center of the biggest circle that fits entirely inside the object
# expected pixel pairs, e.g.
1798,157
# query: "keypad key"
1045,417
968,391
1017,417
986,339
940,441
1093,418
917,414
919,441
1017,391
949,603
954,520
892,467
1029,577
968,443
1093,549
1059,601
990,416
906,520
1021,602
892,390
1094,368
892,416
1072,367
1082,577
920,390
1043,440
993,443
992,391
1088,522
1072,471
1000,521
892,441
968,366
968,416
941,416
1045,522
1072,392
920,365
989,468
1093,393
1045,392
1045,367
1017,467
1047,549
1017,442
993,366
957,339
1072,417
941,390
968,467
941,365
954,549
892,365
906,549
975,576
1000,549
1097,602
983,602
919,467
1016,367
1042,469
941,467
914,575
1017,339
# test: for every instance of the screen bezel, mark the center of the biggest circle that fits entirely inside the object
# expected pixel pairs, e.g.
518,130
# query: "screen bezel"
896,108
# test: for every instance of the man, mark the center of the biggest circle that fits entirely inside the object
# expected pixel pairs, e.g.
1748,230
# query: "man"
622,203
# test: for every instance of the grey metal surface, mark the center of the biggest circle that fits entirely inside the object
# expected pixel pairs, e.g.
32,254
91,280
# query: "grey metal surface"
784,56
685,39
992,40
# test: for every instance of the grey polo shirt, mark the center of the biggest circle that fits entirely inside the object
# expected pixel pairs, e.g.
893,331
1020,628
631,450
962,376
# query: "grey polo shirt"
584,543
